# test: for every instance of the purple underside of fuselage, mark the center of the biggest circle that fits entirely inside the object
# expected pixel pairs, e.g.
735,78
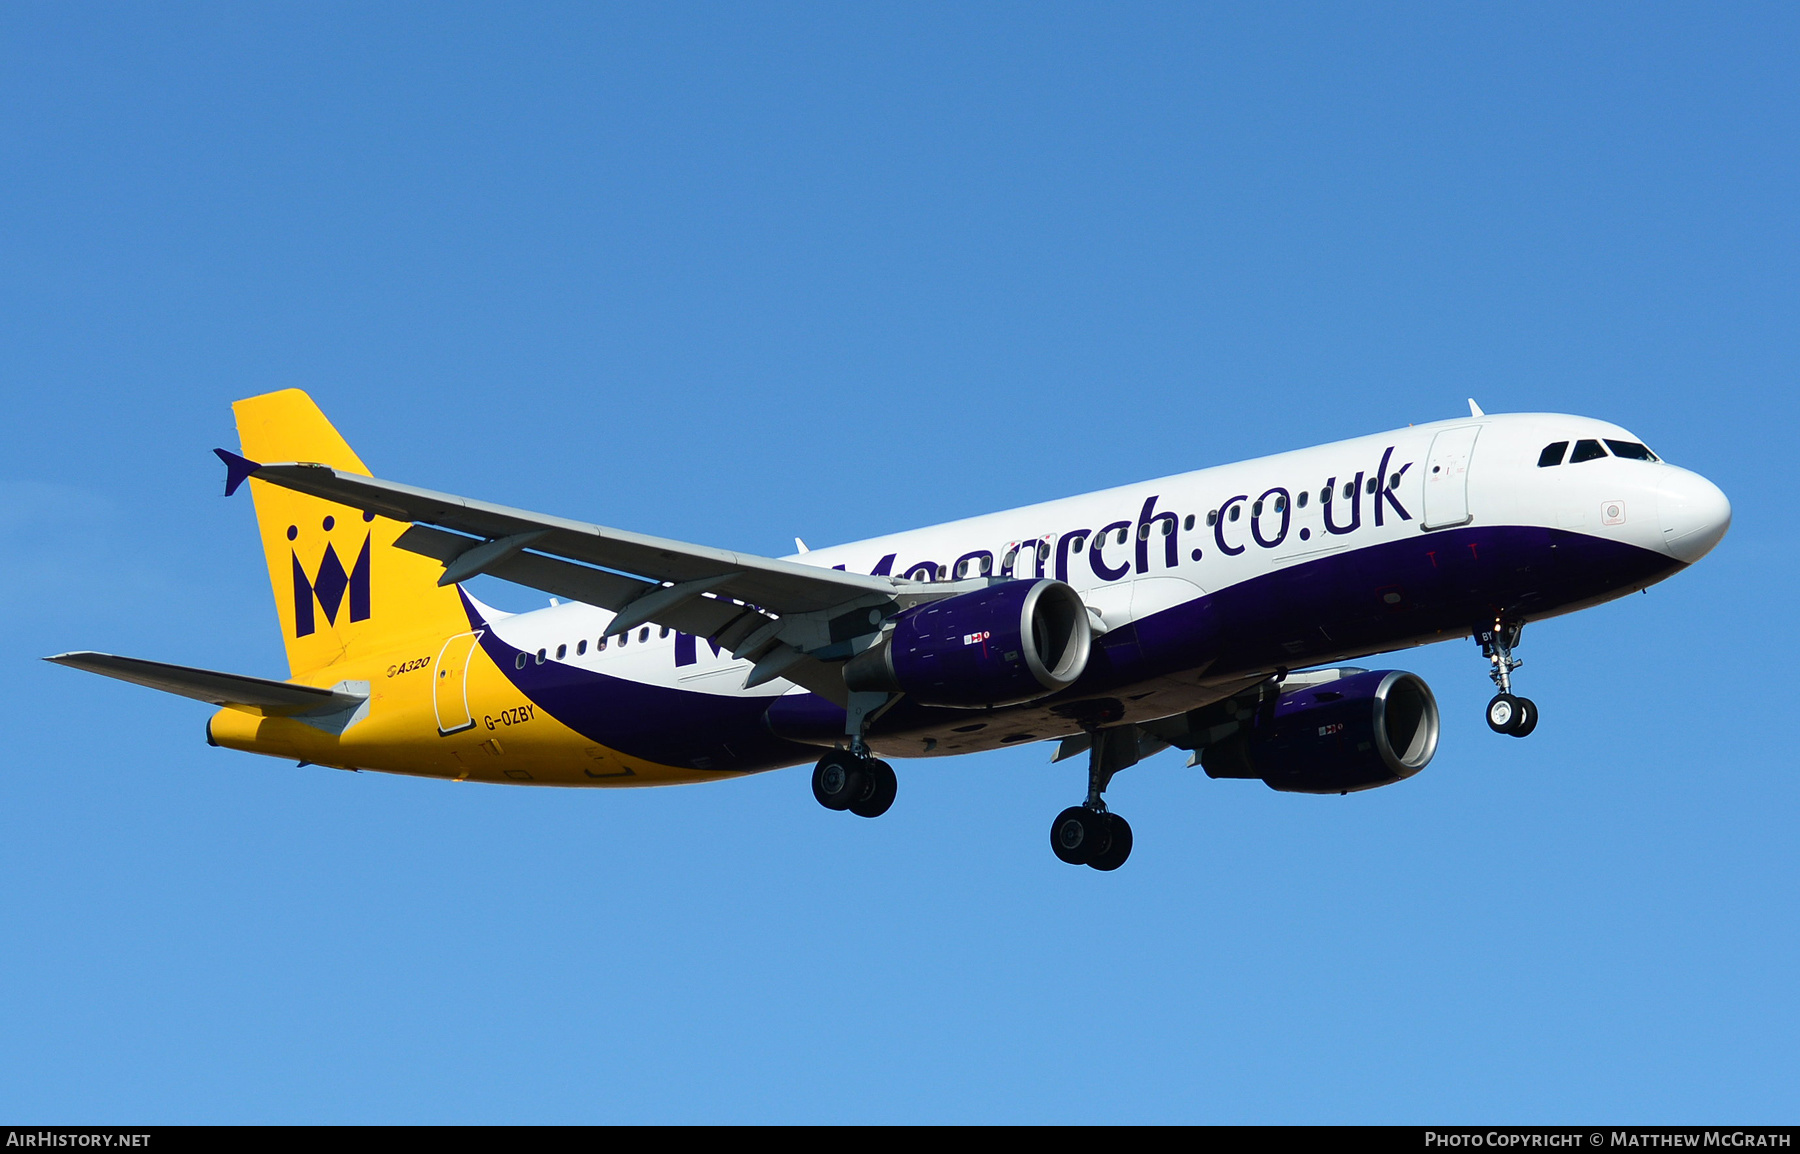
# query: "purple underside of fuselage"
658,723
1360,601
1391,596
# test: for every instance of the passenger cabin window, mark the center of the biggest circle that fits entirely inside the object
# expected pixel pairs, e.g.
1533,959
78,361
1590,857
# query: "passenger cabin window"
644,633
581,647
562,651
1630,450
600,646
1552,454
665,631
1586,451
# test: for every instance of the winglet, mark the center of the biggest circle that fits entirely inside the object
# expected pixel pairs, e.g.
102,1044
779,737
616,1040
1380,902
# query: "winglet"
237,469
1475,409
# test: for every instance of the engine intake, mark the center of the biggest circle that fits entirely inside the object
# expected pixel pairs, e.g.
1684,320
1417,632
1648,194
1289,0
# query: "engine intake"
1357,732
1009,643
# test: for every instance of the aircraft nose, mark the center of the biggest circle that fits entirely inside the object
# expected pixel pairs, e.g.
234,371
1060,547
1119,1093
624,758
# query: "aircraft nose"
1694,513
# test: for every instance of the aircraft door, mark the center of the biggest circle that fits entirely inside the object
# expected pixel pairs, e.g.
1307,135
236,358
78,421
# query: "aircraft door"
450,684
1447,478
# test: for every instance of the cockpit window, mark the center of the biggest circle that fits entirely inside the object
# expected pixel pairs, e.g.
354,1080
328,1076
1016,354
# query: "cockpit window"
1630,450
1552,454
1586,451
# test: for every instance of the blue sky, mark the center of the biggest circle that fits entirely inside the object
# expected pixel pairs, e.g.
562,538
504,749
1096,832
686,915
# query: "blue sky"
735,273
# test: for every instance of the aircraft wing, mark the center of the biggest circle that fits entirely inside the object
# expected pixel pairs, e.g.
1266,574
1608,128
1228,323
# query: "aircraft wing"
782,586
252,694
792,620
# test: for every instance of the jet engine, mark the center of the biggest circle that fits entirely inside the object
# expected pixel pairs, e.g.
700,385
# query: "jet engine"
1355,732
1009,643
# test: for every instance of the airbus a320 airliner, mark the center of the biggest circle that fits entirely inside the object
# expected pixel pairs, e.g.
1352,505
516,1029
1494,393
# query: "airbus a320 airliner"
1206,611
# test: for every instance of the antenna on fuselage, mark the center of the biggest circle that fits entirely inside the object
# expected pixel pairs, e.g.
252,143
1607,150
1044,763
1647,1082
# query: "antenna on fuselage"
1475,409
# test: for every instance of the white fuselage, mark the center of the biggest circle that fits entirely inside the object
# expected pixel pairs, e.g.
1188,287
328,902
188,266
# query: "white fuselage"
1141,550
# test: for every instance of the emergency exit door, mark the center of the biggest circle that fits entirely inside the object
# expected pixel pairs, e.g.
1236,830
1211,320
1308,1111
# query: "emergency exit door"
450,684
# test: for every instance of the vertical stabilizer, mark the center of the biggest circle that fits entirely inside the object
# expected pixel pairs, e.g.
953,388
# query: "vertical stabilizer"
342,590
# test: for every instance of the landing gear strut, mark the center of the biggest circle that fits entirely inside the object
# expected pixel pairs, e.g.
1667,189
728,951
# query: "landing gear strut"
1087,834
1508,714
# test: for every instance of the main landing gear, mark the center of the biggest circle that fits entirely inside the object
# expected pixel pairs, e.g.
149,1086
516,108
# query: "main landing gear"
864,785
1508,714
853,779
1087,834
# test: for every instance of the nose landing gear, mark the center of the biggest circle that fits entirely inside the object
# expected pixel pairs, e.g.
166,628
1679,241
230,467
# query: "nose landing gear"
1514,716
1087,834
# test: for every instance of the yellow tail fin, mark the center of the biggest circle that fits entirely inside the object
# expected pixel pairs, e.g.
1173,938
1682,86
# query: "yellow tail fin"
341,588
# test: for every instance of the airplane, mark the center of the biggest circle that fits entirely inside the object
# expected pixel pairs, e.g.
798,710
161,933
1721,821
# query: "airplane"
1211,611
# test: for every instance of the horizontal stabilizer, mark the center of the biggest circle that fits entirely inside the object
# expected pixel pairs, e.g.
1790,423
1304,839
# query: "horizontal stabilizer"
251,694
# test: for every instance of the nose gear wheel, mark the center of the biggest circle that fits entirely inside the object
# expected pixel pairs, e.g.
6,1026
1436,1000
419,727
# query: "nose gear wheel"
1514,716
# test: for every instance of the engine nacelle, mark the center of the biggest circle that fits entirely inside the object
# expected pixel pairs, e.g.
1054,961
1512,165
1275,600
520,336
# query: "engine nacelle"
1353,733
1009,643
